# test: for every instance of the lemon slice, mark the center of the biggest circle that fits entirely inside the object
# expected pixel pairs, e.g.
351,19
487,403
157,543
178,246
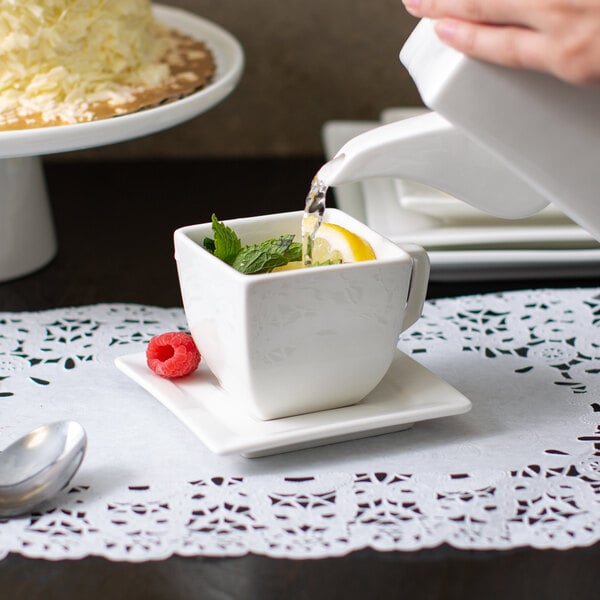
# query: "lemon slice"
334,243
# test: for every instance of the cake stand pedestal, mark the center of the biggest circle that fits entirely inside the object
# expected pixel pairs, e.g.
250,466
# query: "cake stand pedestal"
27,235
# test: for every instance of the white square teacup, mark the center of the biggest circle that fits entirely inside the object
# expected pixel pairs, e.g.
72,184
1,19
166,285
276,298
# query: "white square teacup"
304,340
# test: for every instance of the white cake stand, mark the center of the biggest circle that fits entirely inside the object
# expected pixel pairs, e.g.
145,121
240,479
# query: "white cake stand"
27,235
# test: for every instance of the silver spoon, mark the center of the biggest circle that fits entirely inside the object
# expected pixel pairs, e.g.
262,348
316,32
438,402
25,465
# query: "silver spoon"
40,464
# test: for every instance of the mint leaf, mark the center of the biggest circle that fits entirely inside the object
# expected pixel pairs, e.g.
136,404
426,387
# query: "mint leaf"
285,245
209,245
226,244
258,258
253,259
280,244
294,252
264,257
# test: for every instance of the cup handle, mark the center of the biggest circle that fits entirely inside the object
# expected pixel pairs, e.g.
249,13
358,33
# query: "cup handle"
417,290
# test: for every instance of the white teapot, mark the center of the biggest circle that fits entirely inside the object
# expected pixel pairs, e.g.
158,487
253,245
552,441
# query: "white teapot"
505,141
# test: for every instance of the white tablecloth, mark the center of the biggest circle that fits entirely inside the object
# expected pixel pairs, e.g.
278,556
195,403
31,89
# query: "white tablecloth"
522,468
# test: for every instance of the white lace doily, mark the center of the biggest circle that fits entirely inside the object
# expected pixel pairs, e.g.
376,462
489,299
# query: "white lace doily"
522,468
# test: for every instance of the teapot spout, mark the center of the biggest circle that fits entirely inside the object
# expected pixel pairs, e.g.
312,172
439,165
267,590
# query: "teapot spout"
430,150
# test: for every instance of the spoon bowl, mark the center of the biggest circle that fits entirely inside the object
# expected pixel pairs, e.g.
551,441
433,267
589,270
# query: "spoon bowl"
40,464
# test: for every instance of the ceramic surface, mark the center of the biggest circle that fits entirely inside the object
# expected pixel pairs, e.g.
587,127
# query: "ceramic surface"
459,246
507,141
542,130
407,394
299,341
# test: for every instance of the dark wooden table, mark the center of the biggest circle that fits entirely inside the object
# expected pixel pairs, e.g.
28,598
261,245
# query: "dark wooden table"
115,224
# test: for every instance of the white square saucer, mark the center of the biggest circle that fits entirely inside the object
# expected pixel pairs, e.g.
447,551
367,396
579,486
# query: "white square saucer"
408,393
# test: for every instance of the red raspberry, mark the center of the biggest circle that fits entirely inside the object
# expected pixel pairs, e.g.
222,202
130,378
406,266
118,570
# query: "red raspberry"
172,354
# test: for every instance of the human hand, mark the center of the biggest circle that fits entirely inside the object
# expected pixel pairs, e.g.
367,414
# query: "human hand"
561,37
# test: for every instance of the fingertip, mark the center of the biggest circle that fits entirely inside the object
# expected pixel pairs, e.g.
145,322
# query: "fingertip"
446,29
412,6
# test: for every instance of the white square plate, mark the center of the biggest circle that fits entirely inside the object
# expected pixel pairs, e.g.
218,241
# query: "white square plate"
408,393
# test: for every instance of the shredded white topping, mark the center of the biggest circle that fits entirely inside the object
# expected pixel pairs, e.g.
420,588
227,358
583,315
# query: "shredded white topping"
59,56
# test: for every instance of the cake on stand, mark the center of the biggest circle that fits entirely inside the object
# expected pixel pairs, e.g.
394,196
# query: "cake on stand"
27,234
